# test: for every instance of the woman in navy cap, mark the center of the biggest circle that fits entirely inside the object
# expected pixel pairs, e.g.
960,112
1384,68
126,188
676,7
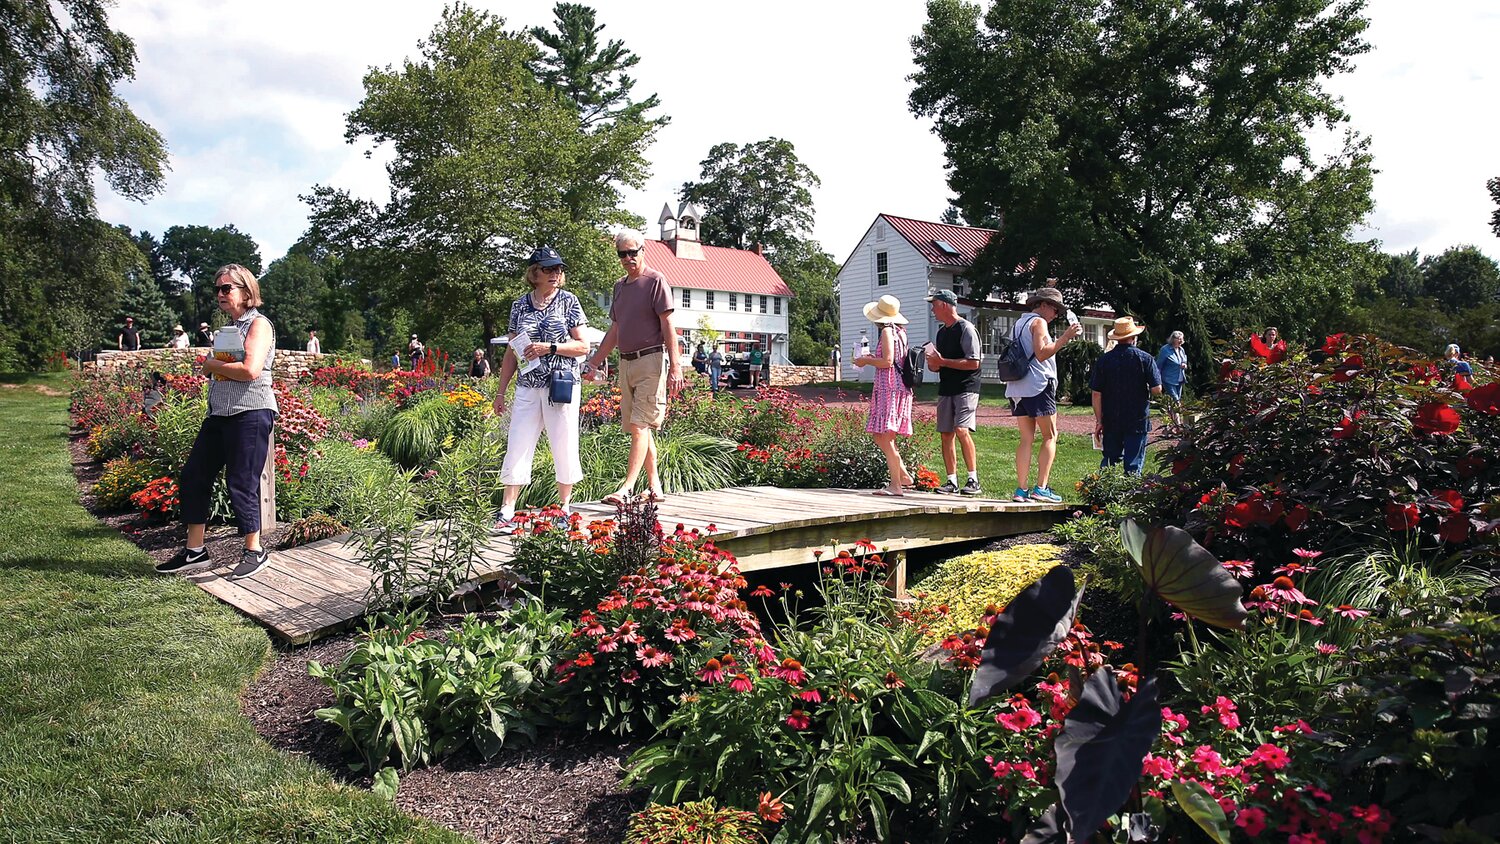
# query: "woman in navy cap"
545,334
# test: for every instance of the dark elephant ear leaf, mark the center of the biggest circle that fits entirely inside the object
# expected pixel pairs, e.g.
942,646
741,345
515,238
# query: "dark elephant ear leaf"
1184,574
1048,828
1024,634
1100,749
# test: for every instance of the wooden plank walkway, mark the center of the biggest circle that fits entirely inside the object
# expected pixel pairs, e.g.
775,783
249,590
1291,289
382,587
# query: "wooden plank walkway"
316,589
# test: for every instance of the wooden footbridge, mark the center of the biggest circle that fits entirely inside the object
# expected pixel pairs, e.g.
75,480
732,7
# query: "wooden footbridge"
316,589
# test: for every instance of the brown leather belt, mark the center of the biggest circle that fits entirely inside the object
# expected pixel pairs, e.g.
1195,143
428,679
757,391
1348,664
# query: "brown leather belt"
640,353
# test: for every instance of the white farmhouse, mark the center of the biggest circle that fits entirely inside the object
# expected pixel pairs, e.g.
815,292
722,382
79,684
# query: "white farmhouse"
908,259
734,292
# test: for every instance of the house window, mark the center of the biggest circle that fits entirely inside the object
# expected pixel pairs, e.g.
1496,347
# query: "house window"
959,284
762,304
882,270
734,301
708,299
777,301
687,298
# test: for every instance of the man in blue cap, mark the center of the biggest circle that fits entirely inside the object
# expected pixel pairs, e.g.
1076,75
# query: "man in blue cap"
954,356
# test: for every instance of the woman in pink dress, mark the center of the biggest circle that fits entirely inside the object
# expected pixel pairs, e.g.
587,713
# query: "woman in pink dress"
890,402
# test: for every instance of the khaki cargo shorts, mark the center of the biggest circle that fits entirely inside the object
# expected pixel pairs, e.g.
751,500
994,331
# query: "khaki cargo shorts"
643,390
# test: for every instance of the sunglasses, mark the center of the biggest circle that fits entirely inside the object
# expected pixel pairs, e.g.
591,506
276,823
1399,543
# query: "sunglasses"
627,253
223,289
557,270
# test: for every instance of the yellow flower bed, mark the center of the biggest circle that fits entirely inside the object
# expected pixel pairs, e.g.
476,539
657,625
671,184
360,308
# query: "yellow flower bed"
466,396
972,582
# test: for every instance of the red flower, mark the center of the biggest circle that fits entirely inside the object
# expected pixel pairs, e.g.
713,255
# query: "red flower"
771,809
1273,354
740,683
1251,820
1424,373
1269,755
1449,498
1401,516
1455,529
762,591
1486,399
584,659
1296,516
798,720
1436,418
1333,344
1350,366
1348,426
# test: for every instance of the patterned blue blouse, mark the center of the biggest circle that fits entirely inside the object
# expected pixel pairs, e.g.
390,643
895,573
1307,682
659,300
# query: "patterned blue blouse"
552,324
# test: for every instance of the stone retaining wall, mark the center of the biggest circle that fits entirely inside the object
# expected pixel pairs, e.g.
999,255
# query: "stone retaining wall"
791,376
289,365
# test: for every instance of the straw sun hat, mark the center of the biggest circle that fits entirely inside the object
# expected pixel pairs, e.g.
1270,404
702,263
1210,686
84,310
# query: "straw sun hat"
886,309
1125,328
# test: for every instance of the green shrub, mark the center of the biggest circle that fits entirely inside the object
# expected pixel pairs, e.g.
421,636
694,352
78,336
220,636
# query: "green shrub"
414,437
178,419
570,569
1335,449
700,822
123,477
975,585
127,434
409,695
1074,364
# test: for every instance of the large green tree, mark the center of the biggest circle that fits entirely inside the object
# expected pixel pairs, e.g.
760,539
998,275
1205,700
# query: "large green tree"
193,253
814,316
1402,278
1151,153
591,75
756,193
1461,278
1494,186
61,125
489,163
296,294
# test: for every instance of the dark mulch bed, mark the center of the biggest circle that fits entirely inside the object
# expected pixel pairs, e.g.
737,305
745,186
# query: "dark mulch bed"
564,789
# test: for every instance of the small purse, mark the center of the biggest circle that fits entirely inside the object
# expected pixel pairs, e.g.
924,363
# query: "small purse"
560,386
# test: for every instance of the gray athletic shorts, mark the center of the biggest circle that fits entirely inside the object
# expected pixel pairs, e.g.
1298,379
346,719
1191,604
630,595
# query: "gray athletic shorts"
960,411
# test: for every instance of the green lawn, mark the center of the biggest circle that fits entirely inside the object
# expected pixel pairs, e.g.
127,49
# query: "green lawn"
119,713
996,447
990,395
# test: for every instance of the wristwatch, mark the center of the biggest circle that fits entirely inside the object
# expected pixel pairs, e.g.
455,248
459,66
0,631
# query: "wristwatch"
554,349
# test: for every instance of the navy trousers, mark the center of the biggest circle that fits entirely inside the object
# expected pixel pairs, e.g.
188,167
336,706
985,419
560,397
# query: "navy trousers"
236,445
1129,449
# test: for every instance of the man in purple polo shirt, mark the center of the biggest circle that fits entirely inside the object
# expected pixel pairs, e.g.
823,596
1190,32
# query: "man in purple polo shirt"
641,326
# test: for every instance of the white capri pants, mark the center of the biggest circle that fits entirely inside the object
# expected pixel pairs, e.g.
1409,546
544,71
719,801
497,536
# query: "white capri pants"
530,413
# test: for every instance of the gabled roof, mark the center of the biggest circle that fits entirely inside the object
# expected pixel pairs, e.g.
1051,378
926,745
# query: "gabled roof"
962,242
729,270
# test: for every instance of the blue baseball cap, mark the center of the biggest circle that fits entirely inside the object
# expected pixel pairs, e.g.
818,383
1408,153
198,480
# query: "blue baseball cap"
546,256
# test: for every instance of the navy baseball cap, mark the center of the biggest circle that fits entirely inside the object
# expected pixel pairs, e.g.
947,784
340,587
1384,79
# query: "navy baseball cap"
546,256
944,296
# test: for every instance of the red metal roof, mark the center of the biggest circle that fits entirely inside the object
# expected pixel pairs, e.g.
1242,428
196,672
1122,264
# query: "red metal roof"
965,240
729,270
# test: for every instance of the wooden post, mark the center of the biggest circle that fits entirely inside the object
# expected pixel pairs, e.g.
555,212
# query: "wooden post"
895,582
268,490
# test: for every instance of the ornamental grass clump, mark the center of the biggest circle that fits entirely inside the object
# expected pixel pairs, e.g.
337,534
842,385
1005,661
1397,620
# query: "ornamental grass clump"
975,584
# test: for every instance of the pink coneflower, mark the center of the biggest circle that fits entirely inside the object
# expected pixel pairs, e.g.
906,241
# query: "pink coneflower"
741,683
630,675
810,695
1240,568
762,591
1350,612
680,632
607,644
1294,569
1284,590
712,672
791,671
1307,555
894,681
651,657
798,720
1306,616
1327,649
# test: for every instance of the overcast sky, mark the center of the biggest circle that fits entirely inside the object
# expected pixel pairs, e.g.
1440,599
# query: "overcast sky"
251,97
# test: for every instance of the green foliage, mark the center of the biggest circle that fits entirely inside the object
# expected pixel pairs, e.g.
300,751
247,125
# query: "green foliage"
693,460
1419,724
488,162
178,419
126,434
295,292
409,695
1398,580
122,477
756,193
871,734
1461,278
811,274
699,822
414,437
1074,365
142,300
195,252
565,572
593,76
1271,670
1152,154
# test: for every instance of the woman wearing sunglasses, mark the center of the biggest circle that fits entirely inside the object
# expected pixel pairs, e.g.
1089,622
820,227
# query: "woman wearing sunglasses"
237,433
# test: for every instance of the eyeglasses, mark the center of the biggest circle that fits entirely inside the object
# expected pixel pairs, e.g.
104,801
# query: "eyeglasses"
223,289
557,270
627,253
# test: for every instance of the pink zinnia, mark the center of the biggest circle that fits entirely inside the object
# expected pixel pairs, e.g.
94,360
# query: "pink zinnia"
798,720
740,683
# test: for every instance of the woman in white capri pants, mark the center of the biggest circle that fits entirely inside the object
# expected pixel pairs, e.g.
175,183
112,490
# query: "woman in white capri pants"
545,334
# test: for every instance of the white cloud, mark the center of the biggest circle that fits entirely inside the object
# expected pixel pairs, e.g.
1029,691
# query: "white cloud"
252,98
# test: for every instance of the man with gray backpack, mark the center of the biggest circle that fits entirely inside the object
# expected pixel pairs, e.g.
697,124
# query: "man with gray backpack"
1033,392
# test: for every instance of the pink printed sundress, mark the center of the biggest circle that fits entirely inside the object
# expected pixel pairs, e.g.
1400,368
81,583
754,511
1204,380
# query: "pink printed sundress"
890,401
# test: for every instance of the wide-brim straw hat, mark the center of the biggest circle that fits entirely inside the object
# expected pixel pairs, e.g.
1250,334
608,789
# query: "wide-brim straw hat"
1125,328
1046,294
886,309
